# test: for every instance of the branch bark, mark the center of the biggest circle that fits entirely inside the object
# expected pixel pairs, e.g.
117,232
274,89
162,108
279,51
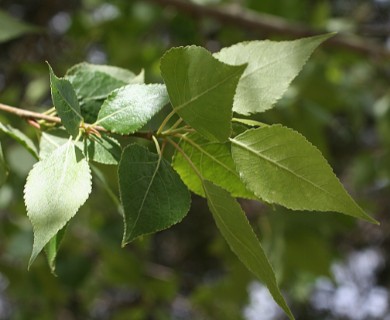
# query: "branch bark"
265,23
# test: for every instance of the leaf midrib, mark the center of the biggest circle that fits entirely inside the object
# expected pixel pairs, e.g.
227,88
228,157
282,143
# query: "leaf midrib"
215,86
275,163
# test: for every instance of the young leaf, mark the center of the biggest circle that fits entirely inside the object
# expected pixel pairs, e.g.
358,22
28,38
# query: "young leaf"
103,149
52,247
280,166
127,109
20,137
153,196
236,230
3,168
56,187
66,103
215,163
96,82
271,67
201,89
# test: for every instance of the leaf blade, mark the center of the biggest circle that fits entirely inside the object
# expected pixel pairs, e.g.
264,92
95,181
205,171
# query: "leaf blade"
236,230
280,166
153,196
214,162
55,189
128,108
66,103
202,98
21,138
268,74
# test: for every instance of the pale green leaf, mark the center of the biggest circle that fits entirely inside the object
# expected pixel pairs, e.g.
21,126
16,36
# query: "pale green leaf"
3,167
56,187
66,103
128,108
153,196
52,139
236,230
52,248
214,162
20,137
280,166
11,28
103,149
271,68
201,89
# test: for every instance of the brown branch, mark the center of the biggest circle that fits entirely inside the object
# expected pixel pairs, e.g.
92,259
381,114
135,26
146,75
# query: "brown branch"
261,22
26,114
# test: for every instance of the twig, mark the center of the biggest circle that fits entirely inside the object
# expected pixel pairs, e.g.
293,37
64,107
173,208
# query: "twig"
261,22
28,114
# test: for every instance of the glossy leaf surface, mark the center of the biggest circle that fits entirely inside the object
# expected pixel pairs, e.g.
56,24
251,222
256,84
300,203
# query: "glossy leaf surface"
129,108
280,166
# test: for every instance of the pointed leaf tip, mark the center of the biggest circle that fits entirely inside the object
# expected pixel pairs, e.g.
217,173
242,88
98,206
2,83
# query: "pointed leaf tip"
56,187
235,228
280,166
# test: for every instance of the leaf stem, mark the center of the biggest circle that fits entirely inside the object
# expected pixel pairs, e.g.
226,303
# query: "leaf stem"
28,114
157,145
177,147
164,123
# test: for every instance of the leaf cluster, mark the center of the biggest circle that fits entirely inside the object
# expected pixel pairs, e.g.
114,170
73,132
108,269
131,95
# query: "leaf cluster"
207,95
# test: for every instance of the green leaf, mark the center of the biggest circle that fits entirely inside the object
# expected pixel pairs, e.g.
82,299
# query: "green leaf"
52,247
66,103
236,230
215,163
11,28
20,137
103,149
129,108
93,84
96,82
201,89
52,139
271,68
3,168
153,196
56,187
280,166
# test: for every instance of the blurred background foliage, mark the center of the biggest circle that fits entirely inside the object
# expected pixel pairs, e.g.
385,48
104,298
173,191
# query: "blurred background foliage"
329,266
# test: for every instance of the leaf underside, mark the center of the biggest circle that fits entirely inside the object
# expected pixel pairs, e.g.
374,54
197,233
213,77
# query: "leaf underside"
56,187
272,65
